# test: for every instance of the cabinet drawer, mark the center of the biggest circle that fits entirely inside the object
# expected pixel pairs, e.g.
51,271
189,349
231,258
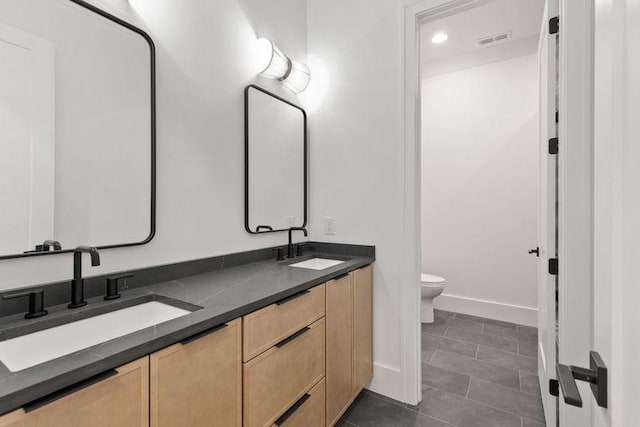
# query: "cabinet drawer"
308,411
264,328
277,378
198,383
121,400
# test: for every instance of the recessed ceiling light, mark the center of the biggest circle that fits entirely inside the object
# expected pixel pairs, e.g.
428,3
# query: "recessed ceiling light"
439,38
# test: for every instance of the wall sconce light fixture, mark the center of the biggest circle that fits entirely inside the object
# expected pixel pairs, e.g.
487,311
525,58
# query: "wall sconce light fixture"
294,75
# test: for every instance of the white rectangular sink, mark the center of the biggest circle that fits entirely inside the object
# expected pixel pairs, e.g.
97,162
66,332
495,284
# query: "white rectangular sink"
30,350
317,263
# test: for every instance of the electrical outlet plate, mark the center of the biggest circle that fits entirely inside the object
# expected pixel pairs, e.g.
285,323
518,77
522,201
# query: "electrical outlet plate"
329,225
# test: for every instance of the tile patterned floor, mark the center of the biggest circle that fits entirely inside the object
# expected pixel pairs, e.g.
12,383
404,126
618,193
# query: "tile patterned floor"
476,372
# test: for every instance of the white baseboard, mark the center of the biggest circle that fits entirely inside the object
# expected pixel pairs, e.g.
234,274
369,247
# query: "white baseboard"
387,381
490,309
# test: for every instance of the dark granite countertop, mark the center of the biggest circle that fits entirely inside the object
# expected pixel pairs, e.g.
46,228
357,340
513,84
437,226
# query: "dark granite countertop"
224,295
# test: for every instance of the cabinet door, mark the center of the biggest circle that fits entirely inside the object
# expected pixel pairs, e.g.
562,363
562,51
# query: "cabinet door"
308,411
339,344
362,328
199,383
121,400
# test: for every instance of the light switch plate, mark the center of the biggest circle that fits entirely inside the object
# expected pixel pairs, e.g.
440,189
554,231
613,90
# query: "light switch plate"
329,225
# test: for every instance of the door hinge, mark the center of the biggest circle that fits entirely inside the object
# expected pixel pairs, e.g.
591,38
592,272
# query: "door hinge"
553,146
557,117
554,388
553,266
554,25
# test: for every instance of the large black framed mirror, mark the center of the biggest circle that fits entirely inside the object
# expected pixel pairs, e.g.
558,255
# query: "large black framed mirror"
275,162
78,135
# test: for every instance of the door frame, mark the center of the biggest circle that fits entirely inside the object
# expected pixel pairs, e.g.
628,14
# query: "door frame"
575,191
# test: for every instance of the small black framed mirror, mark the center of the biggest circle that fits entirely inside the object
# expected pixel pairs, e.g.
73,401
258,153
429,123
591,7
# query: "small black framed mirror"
79,129
275,162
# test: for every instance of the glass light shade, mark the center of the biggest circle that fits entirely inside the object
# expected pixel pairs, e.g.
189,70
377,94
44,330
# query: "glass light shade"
299,77
276,64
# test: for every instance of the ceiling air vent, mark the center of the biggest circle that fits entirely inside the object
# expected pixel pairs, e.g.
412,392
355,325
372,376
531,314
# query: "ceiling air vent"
493,40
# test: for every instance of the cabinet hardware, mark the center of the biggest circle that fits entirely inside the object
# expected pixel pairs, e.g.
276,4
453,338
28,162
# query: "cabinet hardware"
342,276
292,410
292,337
553,266
293,297
202,334
50,398
596,376
535,251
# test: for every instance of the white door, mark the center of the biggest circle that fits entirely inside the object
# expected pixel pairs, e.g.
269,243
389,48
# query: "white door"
27,115
547,214
616,286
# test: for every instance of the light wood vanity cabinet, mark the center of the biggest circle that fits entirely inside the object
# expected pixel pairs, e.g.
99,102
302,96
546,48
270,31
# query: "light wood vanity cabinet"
199,383
339,347
349,317
121,400
299,362
362,302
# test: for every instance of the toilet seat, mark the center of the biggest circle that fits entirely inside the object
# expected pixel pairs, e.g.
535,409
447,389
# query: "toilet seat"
431,280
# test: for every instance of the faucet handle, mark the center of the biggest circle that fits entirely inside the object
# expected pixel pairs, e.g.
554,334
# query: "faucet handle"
112,285
36,302
280,252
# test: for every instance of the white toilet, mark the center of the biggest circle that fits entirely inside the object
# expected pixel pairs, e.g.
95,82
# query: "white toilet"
430,286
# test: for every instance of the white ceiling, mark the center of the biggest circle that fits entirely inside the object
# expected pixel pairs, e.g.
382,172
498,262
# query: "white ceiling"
484,18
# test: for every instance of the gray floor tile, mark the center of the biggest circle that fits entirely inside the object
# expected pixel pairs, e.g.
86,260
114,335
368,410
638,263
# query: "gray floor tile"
508,360
465,325
443,379
527,329
528,348
370,411
531,423
529,383
436,328
476,368
427,352
462,412
506,399
380,396
501,332
443,314
485,320
485,340
448,344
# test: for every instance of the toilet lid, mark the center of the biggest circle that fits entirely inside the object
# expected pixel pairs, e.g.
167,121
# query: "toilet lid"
430,278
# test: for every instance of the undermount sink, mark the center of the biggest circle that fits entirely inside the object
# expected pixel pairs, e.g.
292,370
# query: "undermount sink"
317,263
38,347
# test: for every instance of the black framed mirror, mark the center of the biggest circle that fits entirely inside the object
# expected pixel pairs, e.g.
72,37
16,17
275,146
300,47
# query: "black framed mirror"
78,107
275,162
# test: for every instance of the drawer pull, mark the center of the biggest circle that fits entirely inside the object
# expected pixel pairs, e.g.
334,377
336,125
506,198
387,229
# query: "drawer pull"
292,410
342,276
50,398
292,337
292,297
202,334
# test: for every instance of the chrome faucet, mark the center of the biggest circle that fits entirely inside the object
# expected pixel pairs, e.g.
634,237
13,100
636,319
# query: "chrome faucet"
77,284
290,245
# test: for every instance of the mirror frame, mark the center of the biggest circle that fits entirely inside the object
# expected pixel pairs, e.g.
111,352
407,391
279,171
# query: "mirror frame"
246,158
152,60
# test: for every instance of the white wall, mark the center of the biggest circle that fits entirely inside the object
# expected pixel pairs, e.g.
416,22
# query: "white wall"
205,59
356,132
479,187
